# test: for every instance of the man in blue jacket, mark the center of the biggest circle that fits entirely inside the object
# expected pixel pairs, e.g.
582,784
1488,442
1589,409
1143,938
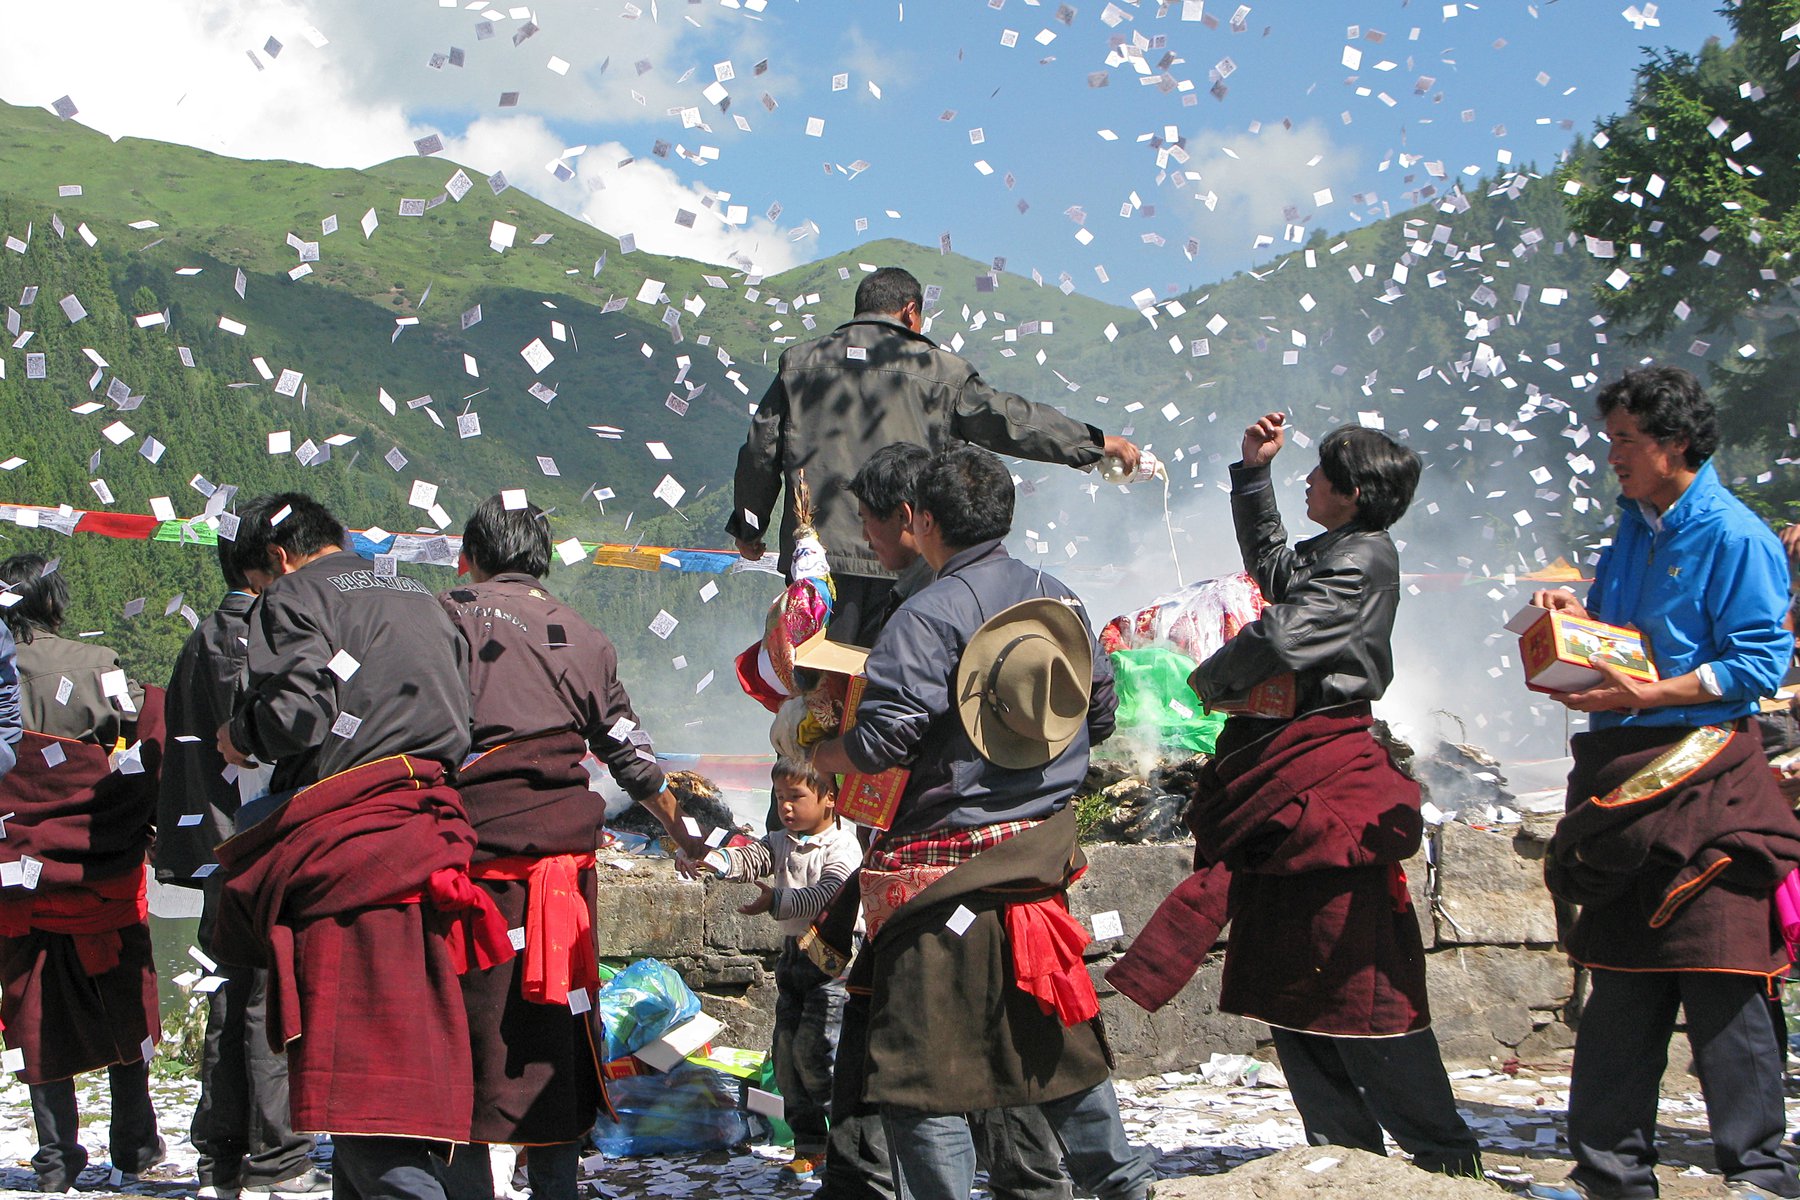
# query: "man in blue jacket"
1676,834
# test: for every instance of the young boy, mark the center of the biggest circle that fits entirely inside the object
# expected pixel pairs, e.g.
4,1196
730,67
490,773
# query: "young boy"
807,861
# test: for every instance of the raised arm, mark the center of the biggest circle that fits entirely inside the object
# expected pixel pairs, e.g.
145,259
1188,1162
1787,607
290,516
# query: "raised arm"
1262,538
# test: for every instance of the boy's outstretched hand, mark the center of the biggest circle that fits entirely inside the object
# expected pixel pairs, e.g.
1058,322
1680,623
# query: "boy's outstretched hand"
1264,439
765,898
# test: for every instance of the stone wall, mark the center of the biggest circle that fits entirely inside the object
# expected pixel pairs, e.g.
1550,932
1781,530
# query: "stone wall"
1498,985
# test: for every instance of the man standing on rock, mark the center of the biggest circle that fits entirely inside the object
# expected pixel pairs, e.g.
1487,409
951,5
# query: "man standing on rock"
545,690
241,1123
873,381
1676,833
987,683
1302,820
352,887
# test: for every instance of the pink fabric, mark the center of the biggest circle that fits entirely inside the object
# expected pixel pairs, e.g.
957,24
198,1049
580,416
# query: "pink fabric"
1787,911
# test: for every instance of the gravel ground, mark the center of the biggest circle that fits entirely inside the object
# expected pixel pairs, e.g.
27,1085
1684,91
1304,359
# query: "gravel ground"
1228,1133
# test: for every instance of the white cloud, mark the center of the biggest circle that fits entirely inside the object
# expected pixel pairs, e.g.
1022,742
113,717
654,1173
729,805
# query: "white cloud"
1256,177
182,74
641,199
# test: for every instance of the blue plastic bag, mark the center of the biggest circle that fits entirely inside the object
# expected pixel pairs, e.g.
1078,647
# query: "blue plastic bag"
641,1003
689,1109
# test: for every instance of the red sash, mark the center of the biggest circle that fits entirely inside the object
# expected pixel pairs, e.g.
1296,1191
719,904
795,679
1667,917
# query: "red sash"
478,940
91,915
559,929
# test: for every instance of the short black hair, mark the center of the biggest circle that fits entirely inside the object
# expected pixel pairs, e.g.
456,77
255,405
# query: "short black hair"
890,478
499,539
1669,403
45,596
235,562
1379,471
887,290
970,493
304,527
794,770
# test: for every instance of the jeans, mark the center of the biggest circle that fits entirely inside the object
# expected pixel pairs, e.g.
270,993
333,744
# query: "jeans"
1349,1089
365,1167
858,1166
241,1125
552,1172
1620,1052
1020,1153
134,1144
809,1011
934,1153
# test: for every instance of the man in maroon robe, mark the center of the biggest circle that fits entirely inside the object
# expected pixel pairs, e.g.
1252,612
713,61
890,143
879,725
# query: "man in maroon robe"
349,882
545,691
77,977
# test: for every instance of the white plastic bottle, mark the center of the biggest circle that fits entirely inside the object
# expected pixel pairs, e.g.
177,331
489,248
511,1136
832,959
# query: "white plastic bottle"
1112,469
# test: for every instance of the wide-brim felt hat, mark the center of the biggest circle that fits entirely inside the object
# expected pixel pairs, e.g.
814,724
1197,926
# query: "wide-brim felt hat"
1024,683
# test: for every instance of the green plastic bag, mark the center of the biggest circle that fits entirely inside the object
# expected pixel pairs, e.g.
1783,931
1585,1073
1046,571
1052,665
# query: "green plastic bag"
1155,700
779,1133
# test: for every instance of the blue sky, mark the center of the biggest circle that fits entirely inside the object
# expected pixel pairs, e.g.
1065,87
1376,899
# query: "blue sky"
1303,111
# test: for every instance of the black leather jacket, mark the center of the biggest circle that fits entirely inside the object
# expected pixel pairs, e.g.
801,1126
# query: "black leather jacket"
1330,619
872,382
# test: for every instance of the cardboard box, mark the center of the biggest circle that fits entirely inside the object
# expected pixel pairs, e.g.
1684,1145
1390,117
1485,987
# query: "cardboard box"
871,800
1555,648
1276,697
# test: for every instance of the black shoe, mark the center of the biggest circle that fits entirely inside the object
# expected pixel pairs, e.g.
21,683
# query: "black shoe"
154,1158
310,1182
61,1178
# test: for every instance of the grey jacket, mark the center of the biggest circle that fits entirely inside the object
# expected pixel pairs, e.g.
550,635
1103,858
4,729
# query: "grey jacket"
408,692
1332,600
81,711
870,383
908,712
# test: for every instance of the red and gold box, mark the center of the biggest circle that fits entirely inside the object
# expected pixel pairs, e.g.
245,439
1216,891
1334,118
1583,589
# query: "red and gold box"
1555,648
870,800
1273,697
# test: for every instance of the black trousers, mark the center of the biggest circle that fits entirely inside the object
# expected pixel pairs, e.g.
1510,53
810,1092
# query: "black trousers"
552,1171
387,1168
1621,1050
134,1143
242,1127
809,1013
1349,1089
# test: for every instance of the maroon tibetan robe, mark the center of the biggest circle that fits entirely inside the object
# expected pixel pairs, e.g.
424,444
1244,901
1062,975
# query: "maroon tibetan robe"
1672,844
537,1071
77,975
1310,822
363,976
